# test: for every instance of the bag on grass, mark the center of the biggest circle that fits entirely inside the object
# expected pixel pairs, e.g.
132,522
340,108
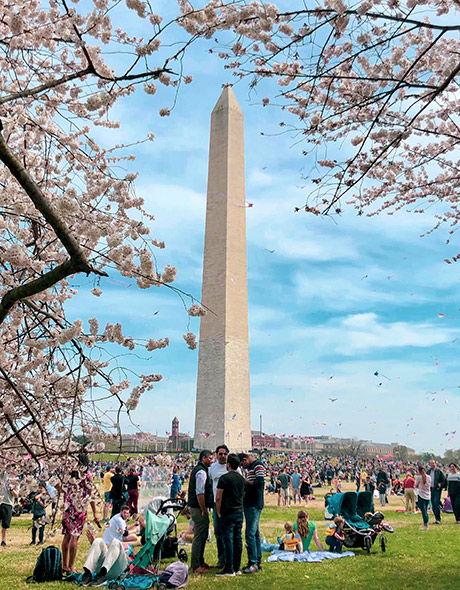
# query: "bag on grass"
48,567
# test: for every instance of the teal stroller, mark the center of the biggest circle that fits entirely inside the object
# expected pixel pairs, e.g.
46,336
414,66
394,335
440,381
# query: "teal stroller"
362,524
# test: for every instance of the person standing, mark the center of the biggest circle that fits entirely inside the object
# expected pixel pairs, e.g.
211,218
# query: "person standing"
107,481
295,478
217,469
253,506
117,493
229,508
453,490
438,483
7,493
78,493
382,484
200,500
409,492
132,485
423,487
305,486
175,484
284,481
38,512
369,486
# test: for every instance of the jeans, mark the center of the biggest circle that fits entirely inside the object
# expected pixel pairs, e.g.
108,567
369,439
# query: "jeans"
200,536
252,535
334,544
423,505
231,528
219,536
436,503
41,531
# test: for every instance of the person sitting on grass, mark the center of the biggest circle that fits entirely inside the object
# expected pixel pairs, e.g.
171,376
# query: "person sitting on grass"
290,541
187,535
107,557
307,531
38,513
335,536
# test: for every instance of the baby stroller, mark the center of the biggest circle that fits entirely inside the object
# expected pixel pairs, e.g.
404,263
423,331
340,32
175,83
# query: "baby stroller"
159,542
362,524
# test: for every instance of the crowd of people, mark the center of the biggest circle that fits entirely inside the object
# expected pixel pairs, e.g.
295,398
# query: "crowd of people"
224,486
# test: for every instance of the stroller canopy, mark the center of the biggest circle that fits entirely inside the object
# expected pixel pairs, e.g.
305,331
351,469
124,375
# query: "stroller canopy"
365,503
155,529
346,505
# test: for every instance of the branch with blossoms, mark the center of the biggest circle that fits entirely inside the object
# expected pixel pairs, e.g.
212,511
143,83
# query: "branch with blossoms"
378,77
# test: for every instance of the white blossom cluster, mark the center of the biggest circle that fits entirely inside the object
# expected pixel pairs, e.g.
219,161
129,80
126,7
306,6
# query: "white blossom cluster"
153,344
190,339
196,310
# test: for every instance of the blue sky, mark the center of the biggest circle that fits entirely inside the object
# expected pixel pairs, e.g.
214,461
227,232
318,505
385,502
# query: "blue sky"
333,304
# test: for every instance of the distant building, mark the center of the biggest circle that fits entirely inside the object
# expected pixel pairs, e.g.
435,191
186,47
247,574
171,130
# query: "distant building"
324,444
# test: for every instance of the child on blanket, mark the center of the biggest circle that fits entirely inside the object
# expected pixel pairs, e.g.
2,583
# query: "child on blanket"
290,541
334,535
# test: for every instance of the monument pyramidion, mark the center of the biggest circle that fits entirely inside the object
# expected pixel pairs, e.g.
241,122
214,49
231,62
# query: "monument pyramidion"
223,407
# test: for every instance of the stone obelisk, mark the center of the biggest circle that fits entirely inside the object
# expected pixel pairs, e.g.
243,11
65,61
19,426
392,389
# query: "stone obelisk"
223,407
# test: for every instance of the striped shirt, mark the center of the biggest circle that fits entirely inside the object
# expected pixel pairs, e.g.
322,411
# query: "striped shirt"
254,496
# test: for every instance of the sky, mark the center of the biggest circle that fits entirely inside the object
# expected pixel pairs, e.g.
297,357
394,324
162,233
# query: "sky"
361,309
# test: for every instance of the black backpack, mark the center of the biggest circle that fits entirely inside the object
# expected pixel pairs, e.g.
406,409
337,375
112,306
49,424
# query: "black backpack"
48,567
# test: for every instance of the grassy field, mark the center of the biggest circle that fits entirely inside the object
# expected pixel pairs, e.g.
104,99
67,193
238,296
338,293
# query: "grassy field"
414,558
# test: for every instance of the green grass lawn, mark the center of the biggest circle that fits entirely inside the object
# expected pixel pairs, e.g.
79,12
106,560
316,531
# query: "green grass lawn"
414,558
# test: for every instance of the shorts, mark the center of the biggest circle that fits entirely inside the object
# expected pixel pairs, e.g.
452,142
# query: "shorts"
107,499
285,492
6,512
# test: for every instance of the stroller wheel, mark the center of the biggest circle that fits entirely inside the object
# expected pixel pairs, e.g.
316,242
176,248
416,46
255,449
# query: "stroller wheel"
161,586
367,542
383,543
112,586
182,555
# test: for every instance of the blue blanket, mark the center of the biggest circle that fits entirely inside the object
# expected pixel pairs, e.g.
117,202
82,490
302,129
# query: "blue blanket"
310,556
136,581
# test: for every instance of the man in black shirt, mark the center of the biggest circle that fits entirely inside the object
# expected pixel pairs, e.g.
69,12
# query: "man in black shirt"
117,491
229,507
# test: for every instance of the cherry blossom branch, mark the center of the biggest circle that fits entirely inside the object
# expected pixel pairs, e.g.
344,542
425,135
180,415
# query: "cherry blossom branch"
77,263
46,86
17,433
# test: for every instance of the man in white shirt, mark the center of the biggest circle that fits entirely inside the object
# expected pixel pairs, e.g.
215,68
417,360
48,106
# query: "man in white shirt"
217,469
107,556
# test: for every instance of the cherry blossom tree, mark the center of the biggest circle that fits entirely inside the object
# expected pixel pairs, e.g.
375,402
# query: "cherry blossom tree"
65,210
375,80
373,88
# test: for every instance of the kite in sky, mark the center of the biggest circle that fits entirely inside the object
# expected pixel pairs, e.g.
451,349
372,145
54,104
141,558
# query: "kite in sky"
377,374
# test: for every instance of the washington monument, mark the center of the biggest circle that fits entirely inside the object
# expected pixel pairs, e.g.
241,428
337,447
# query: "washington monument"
223,407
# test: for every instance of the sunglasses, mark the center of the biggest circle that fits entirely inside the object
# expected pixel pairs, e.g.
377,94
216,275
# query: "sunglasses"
224,453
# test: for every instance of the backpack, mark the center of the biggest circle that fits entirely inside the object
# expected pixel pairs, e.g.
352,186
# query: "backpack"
48,567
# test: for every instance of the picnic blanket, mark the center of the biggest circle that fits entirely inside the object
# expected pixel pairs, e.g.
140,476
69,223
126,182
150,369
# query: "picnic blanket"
137,581
309,556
